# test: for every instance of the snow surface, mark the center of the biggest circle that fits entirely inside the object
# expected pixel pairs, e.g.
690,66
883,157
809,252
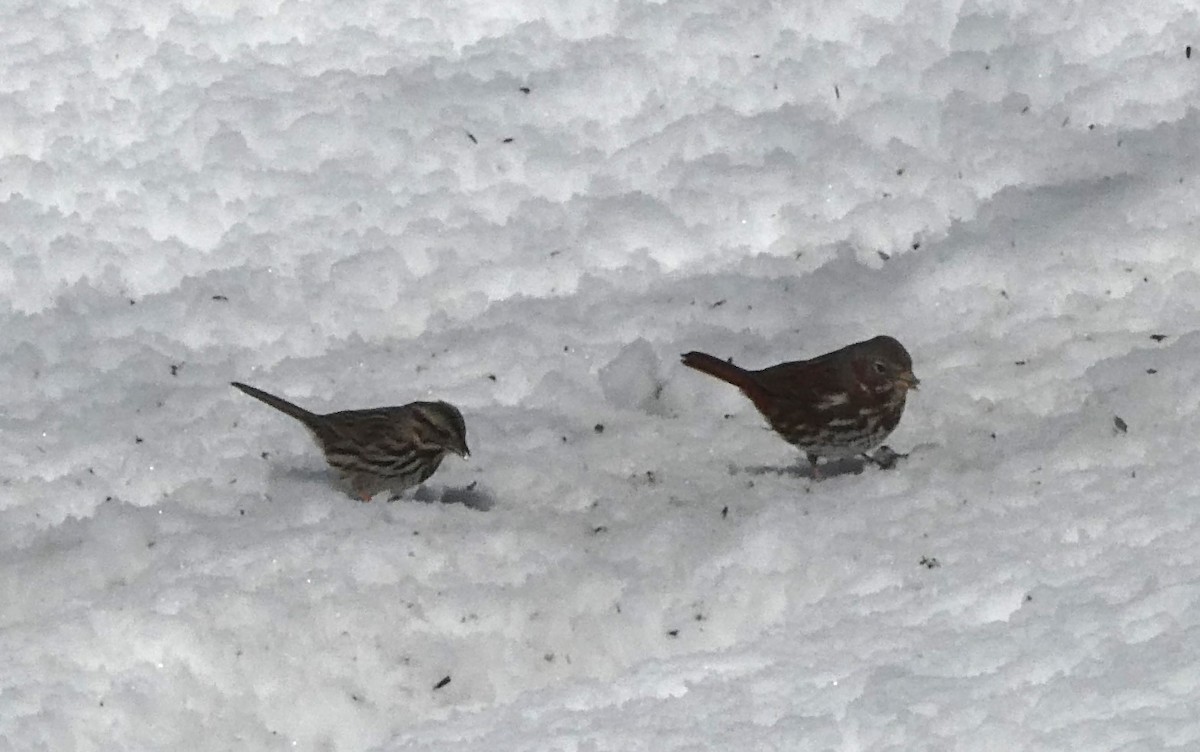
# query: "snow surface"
529,210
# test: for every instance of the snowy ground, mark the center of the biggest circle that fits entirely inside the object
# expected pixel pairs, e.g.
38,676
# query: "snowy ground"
530,210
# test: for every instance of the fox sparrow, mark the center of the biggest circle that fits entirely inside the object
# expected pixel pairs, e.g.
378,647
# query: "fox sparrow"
836,405
382,447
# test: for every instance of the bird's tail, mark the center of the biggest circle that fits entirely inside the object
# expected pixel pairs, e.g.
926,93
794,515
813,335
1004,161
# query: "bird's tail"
723,370
280,404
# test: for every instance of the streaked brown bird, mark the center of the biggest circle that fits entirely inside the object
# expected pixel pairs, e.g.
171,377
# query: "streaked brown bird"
840,404
383,447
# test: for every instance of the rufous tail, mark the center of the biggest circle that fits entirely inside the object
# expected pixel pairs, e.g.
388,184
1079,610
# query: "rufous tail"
280,404
723,370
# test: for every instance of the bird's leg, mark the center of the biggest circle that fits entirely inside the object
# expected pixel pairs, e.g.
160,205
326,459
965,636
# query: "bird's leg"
364,492
812,461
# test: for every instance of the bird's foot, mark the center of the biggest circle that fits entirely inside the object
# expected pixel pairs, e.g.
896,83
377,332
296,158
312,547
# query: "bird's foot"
885,457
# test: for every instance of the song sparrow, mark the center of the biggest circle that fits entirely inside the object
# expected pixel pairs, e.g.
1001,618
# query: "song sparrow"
382,447
839,404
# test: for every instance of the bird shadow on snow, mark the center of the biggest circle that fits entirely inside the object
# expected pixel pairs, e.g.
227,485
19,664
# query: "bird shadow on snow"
470,496
885,458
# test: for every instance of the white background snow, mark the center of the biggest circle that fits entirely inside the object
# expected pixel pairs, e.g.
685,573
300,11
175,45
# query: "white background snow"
530,210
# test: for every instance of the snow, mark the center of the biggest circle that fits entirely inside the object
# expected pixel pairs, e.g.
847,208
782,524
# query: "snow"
530,210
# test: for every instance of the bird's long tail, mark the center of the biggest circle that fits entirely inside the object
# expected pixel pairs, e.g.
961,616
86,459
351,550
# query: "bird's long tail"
721,369
280,404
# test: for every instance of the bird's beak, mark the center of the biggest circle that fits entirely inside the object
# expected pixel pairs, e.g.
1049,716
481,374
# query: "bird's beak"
464,452
908,380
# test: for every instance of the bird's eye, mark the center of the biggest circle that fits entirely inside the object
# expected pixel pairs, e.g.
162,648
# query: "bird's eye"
880,367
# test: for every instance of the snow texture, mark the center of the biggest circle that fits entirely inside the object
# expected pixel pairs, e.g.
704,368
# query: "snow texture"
530,210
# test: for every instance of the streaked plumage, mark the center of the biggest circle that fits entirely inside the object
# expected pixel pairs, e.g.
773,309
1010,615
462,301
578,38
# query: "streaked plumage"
383,447
839,404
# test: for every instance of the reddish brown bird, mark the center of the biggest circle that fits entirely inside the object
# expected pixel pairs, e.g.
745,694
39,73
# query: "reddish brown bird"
840,404
382,447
